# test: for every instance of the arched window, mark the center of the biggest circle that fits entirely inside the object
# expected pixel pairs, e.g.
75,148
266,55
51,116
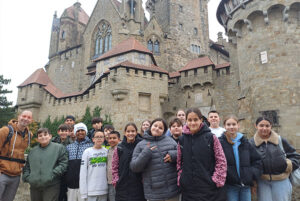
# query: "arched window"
156,47
103,38
150,45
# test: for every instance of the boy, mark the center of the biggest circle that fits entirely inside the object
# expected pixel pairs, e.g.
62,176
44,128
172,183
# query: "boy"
62,137
45,165
107,129
175,127
97,126
93,183
214,120
75,152
113,140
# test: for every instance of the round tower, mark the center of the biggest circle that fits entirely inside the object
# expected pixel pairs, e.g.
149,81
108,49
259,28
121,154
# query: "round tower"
266,36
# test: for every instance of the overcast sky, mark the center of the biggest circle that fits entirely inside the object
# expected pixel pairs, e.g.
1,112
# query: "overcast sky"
25,27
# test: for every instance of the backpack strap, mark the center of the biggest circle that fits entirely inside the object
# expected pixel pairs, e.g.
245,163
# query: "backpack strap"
280,144
9,136
29,138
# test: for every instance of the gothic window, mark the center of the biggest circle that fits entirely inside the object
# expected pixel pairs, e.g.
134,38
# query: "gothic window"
103,39
63,35
180,8
150,45
180,26
156,47
195,31
195,49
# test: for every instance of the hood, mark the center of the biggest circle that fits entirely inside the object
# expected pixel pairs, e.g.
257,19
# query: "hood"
147,136
272,139
203,128
14,122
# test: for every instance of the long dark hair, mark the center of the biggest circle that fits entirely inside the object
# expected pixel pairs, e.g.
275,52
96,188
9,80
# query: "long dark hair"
130,124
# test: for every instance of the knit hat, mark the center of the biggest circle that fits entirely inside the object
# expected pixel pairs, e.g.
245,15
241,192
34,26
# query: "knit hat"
80,126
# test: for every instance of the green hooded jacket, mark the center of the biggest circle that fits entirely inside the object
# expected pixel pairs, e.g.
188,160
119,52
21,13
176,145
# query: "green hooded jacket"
45,165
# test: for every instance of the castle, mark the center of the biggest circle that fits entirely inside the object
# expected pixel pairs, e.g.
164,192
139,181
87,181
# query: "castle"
137,69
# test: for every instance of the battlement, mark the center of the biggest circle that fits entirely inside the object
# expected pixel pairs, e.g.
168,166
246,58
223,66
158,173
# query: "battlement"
240,18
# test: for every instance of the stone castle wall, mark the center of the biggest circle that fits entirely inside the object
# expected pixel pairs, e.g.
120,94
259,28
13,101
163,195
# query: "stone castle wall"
270,28
126,95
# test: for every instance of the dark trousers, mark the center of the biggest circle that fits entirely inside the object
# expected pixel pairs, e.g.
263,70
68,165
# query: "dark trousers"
50,193
63,191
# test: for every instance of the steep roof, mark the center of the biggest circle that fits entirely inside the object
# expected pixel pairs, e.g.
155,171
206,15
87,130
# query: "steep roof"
197,63
128,45
152,68
70,12
174,74
38,77
223,65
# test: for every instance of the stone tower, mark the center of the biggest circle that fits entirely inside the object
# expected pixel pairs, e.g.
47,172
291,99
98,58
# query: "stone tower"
54,36
65,47
266,37
133,10
185,25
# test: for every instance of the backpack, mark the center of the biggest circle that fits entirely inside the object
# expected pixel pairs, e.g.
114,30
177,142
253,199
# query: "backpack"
8,139
295,175
11,133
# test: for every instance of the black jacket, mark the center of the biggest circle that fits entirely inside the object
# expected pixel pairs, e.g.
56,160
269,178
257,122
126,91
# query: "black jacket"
250,163
275,163
198,165
129,186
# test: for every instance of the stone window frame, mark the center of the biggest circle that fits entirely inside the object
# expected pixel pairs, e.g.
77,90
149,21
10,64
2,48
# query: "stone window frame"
205,69
180,9
102,38
181,26
63,35
154,44
195,31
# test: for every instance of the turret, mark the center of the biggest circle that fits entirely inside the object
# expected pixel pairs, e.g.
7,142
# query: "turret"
55,29
264,34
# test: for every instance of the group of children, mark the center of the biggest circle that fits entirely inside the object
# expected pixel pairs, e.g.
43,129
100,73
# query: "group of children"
180,161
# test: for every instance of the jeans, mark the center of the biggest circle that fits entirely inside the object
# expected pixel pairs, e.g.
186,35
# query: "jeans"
274,190
238,193
111,192
8,187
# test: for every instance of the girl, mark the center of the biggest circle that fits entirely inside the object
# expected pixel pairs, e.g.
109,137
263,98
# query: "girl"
175,127
279,160
156,157
201,163
145,126
129,186
243,162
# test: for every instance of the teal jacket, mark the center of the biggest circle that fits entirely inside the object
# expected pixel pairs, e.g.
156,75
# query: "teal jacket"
45,166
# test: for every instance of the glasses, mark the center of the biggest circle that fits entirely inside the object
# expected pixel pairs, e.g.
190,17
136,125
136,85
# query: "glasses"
101,137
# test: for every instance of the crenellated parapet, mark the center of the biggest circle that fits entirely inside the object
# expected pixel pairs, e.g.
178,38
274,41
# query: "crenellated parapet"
241,17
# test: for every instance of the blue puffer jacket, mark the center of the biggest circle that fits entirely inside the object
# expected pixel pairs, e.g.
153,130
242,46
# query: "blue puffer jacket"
160,178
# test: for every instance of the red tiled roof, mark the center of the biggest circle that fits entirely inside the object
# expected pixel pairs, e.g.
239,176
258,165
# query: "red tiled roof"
197,63
128,45
53,90
152,68
82,16
174,74
117,3
38,77
224,65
